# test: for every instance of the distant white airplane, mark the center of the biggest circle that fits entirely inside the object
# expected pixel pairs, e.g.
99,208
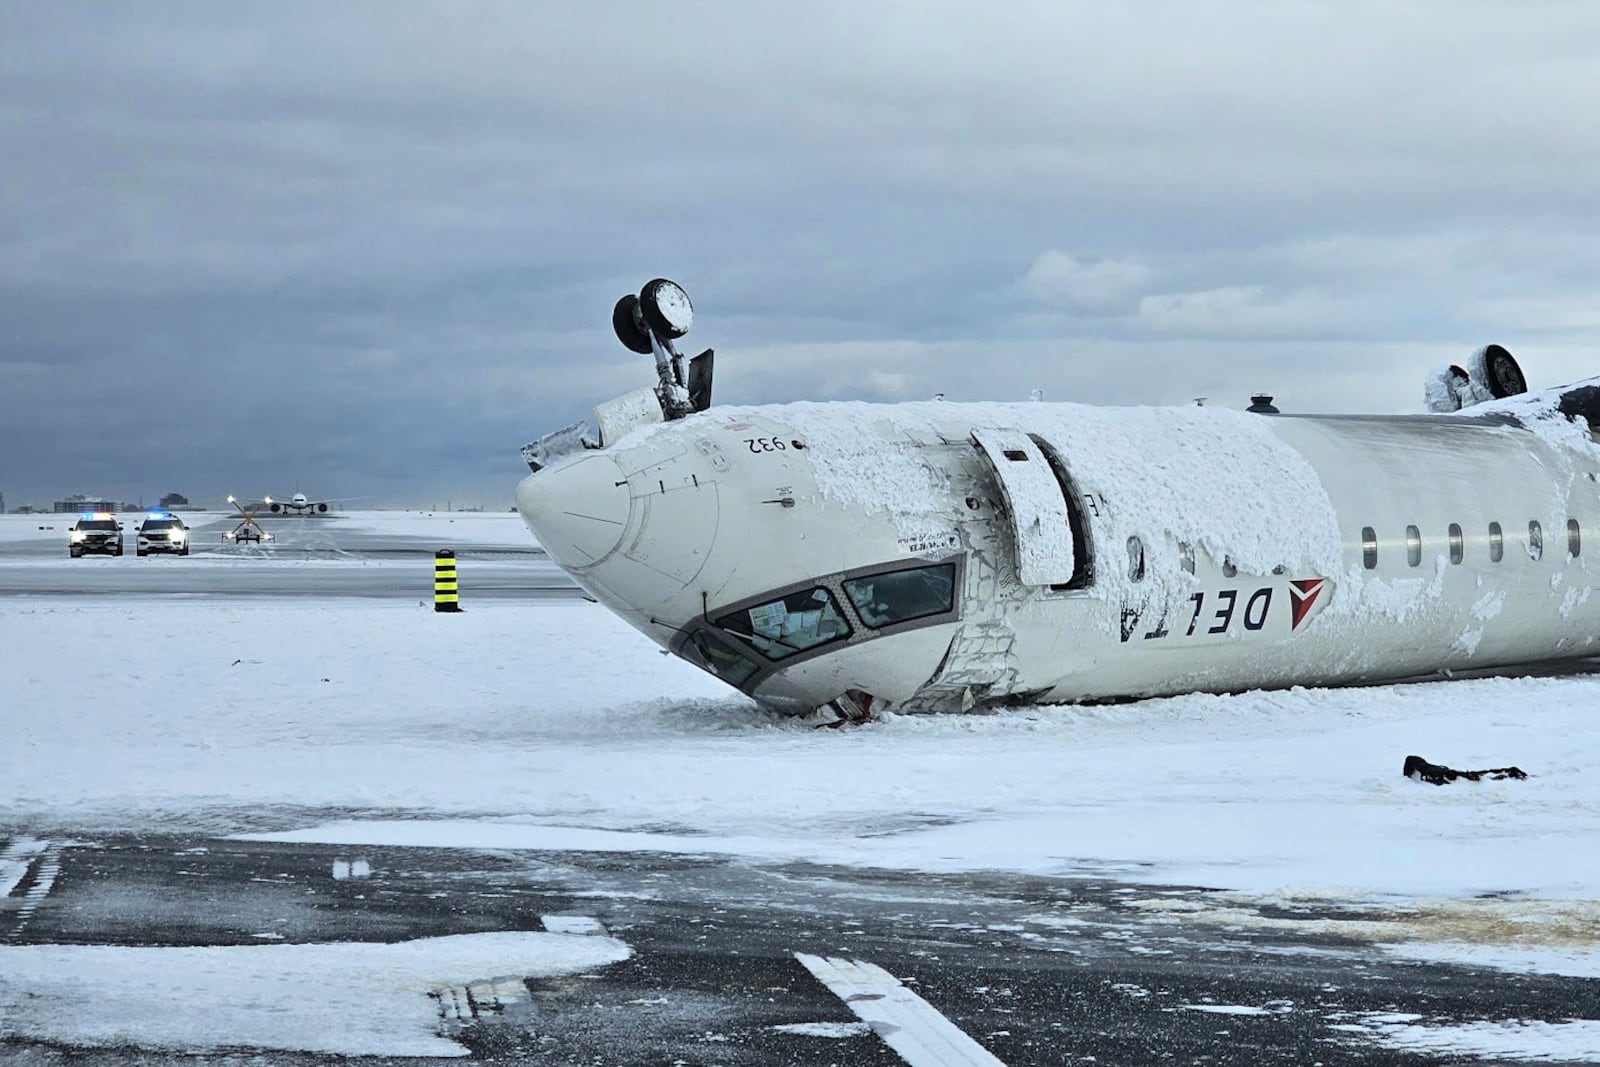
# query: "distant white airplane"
299,504
936,556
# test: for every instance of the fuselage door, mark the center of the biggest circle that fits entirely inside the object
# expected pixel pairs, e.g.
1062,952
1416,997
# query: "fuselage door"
1040,523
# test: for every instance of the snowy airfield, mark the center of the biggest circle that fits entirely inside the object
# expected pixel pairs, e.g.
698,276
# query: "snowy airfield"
365,721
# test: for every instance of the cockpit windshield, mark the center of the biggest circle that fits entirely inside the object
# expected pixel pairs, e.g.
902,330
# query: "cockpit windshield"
899,596
794,623
720,658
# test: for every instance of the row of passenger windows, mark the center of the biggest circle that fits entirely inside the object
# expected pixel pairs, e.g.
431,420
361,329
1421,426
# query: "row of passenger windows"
1369,548
1185,560
1458,543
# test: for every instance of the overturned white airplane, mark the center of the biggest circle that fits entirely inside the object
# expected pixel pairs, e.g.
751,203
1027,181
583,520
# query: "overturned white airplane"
945,556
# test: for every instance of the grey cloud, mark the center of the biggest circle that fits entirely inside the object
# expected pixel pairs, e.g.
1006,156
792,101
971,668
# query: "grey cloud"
376,245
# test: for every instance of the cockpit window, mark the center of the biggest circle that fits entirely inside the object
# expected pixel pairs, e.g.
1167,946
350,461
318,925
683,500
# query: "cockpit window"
720,658
899,596
799,621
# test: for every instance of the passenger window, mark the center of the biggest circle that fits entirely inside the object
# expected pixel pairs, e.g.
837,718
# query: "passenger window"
1369,548
1535,540
1574,539
721,659
1458,543
900,596
795,623
1186,556
1413,546
1135,559
1497,543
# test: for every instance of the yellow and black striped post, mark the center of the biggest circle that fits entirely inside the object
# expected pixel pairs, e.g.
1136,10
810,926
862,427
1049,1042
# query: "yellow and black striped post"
444,581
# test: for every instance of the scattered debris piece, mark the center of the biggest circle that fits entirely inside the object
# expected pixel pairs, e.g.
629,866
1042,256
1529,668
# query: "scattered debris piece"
1421,770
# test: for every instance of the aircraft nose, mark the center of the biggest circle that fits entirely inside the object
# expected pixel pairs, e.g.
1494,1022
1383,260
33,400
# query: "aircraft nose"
578,511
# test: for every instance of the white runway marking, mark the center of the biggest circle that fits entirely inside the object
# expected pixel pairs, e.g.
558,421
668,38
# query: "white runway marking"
15,861
343,869
44,878
906,1023
459,1005
572,924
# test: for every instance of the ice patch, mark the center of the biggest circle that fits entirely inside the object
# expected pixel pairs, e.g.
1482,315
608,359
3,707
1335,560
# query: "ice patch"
835,1030
1524,1040
351,999
1275,1008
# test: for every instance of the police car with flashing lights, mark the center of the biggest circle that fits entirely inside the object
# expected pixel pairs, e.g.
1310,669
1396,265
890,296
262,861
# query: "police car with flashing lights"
162,532
99,532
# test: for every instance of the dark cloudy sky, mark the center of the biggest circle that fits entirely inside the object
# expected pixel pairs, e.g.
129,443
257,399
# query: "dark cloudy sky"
369,249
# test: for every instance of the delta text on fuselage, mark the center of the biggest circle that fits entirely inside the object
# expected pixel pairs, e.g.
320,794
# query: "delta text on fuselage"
945,556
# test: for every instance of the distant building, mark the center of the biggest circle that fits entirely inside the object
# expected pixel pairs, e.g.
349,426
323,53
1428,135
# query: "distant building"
78,502
174,500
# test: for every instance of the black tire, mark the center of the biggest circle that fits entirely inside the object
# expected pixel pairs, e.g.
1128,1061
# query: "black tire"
184,551
118,552
650,307
75,553
629,326
1501,373
141,552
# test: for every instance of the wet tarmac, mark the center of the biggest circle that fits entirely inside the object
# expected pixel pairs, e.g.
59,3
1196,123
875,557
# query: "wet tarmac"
1036,971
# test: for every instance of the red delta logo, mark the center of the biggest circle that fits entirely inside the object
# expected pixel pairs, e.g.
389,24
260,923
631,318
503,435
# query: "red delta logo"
1305,600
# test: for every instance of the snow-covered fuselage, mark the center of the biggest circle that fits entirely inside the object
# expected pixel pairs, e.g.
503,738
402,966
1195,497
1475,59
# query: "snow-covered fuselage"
942,556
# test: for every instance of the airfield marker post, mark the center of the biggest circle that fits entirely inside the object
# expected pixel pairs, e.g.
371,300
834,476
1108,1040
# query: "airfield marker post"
445,593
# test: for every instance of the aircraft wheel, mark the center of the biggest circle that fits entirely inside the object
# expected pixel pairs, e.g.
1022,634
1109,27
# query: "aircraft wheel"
1495,369
666,308
1501,372
626,321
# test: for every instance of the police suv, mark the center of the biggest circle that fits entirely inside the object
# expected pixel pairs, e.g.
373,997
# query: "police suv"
99,532
162,532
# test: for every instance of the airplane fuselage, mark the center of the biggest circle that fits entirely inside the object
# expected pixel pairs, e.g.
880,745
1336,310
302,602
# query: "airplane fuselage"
944,556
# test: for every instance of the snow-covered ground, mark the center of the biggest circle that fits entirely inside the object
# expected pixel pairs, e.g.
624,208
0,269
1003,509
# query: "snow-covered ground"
551,725
445,527
365,1000
36,527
